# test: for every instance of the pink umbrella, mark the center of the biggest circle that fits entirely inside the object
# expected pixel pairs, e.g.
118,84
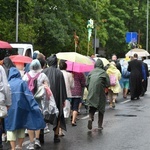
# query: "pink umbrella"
78,67
4,45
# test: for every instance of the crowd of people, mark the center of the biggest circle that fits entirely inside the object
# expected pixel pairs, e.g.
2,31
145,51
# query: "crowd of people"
67,88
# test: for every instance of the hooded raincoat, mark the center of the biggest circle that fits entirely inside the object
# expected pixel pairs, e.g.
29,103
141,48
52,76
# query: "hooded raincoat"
24,111
113,70
58,88
97,81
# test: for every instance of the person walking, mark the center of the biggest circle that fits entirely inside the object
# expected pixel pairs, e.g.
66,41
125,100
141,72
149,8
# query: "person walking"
7,64
58,88
113,90
41,78
5,98
69,81
24,113
135,80
145,76
115,59
96,82
125,78
46,129
77,94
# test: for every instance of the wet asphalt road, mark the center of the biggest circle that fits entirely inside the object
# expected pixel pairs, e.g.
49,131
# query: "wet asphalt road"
127,127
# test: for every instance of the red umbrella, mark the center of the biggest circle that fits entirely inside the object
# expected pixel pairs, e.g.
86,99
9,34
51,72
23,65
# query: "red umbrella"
4,44
20,59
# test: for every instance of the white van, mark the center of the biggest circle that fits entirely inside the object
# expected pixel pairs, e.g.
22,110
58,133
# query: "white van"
25,49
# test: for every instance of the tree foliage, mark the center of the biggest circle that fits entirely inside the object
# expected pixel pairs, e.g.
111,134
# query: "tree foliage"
50,24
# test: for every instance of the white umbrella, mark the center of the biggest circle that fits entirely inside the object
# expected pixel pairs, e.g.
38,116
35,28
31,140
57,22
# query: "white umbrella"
140,52
74,57
104,60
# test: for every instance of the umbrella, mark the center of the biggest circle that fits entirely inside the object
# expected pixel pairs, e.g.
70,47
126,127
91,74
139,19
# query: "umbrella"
78,67
74,57
4,44
140,52
104,60
20,59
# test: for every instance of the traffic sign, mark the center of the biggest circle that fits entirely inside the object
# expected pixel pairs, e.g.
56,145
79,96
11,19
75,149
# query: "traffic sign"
131,37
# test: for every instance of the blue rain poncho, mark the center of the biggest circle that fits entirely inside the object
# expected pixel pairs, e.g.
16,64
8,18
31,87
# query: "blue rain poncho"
24,111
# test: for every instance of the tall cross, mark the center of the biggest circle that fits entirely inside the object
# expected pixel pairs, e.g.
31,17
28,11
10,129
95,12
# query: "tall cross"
76,40
139,36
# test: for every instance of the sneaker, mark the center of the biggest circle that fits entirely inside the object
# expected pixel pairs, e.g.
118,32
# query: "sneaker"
4,138
46,130
100,128
26,132
37,144
30,146
18,148
89,124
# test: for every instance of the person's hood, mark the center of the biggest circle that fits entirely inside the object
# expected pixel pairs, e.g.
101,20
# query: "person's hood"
52,61
14,73
8,63
99,64
111,69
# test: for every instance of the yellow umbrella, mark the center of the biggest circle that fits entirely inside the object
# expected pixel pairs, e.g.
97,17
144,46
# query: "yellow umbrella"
104,60
74,57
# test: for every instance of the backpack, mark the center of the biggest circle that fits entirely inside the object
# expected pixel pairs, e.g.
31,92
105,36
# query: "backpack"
125,73
32,83
113,79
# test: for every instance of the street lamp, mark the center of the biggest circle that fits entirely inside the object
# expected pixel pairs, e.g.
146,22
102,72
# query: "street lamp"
147,25
17,12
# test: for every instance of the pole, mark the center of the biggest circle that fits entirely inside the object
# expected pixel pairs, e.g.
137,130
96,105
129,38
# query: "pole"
95,32
139,36
17,12
95,40
88,49
147,25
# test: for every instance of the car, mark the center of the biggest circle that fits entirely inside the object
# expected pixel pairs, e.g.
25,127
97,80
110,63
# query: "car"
147,61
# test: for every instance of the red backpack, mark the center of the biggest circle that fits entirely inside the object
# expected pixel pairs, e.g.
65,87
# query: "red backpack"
32,83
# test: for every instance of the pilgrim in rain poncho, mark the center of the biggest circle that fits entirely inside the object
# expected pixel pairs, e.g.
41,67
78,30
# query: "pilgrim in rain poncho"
24,111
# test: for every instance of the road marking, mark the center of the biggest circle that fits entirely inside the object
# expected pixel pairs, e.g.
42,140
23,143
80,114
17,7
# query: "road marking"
86,117
125,101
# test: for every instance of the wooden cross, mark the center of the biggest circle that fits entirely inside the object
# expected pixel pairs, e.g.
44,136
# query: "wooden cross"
139,36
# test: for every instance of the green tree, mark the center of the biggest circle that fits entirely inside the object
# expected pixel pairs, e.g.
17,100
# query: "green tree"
50,24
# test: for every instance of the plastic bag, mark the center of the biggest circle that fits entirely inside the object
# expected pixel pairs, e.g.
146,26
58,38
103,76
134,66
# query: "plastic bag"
66,109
